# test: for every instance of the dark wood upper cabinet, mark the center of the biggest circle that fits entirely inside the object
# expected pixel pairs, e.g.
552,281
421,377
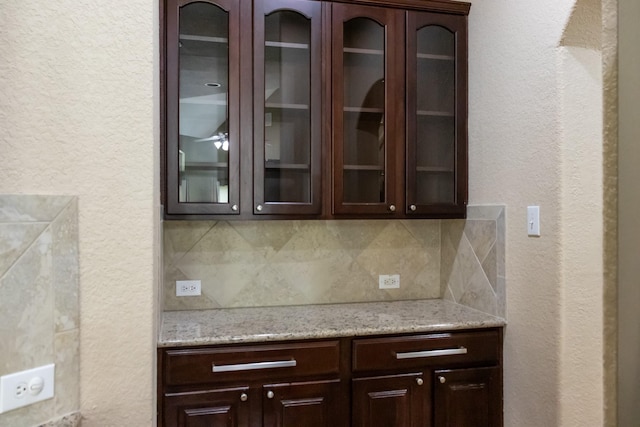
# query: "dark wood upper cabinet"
313,109
367,82
436,94
287,107
202,107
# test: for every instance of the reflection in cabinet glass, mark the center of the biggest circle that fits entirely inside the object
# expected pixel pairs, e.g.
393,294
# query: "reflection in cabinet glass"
287,107
364,112
435,116
202,107
204,133
287,125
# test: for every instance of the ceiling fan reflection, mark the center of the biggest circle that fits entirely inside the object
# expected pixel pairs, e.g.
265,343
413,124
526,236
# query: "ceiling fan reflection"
220,140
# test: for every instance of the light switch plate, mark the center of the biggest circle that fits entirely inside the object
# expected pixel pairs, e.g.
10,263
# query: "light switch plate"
26,387
533,221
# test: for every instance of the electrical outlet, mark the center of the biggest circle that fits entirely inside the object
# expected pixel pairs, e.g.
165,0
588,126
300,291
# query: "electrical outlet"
26,387
389,281
188,288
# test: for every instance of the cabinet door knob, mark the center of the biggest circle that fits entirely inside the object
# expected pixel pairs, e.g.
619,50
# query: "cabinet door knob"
244,397
234,208
419,381
442,380
259,208
270,394
392,208
413,208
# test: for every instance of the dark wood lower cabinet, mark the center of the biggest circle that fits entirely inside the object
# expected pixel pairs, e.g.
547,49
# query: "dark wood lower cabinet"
308,404
467,397
444,379
390,401
208,408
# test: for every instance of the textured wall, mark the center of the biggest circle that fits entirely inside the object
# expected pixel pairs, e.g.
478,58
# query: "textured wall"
523,122
78,107
39,315
629,212
580,81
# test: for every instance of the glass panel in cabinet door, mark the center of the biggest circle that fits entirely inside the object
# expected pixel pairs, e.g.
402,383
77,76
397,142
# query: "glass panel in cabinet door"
435,116
364,112
287,123
204,139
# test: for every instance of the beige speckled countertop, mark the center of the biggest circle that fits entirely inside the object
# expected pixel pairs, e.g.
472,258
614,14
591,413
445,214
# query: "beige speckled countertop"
239,325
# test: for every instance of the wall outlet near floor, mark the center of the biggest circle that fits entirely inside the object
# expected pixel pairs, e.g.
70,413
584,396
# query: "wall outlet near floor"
26,387
389,281
188,288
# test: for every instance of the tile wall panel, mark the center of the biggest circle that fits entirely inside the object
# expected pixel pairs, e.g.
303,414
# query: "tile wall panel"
39,313
270,263
473,260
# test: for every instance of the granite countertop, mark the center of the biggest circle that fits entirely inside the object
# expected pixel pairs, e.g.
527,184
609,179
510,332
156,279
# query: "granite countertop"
259,324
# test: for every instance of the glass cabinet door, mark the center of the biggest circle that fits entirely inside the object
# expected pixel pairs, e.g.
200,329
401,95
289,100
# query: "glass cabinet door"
202,108
366,90
436,108
287,107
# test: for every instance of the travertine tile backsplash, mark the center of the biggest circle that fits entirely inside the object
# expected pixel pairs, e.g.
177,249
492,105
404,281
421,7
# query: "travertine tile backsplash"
39,314
473,260
266,263
269,263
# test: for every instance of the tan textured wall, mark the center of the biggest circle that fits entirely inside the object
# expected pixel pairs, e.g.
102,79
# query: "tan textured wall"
78,111
628,214
522,143
610,209
582,321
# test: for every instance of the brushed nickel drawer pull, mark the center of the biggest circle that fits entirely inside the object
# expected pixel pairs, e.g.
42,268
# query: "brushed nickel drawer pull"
431,353
254,366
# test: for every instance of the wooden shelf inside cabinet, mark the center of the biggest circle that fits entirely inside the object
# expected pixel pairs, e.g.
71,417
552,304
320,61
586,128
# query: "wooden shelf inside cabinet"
363,168
434,169
435,57
205,166
282,106
435,113
363,110
288,166
361,51
208,39
286,45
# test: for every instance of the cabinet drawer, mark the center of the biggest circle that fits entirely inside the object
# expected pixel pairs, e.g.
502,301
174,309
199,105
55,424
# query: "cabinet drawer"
374,354
249,363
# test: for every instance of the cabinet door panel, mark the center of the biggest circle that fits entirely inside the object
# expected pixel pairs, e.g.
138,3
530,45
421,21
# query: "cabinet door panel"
436,166
468,397
287,107
308,404
391,401
367,107
211,408
202,107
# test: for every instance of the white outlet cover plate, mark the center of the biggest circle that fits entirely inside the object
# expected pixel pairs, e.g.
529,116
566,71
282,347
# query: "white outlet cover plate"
389,281
188,288
39,383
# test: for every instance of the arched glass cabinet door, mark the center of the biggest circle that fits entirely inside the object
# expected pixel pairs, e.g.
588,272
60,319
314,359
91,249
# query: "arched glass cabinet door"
437,115
367,108
202,107
287,107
